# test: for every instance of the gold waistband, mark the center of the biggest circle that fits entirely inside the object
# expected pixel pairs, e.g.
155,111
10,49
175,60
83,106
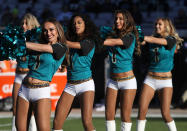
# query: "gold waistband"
122,78
75,82
160,77
22,70
36,85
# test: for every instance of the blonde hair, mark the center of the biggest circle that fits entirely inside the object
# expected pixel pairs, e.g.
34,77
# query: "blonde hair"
170,30
31,20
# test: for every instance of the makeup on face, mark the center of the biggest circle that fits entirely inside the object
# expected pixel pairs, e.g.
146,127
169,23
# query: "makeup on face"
50,32
160,28
119,21
79,25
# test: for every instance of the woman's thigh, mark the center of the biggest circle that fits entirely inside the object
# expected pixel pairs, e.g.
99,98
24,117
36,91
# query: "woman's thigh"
15,91
86,103
110,103
62,109
165,97
126,99
22,113
43,113
146,96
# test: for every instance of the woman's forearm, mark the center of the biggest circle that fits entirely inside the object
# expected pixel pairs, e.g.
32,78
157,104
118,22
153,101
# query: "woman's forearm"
159,41
39,47
75,45
113,42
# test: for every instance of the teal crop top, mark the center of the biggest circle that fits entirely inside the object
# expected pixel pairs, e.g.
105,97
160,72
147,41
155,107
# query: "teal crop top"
44,65
161,57
121,56
81,60
22,62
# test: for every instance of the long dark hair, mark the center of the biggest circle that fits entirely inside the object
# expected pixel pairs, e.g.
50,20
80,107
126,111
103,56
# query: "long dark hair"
91,31
128,27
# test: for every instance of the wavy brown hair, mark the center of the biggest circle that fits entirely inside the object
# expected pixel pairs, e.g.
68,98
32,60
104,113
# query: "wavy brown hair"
61,36
128,27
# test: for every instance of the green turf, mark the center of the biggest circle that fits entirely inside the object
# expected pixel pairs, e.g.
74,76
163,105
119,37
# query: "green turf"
72,124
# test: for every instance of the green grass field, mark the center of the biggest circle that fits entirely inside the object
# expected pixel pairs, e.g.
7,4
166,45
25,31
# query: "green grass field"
75,124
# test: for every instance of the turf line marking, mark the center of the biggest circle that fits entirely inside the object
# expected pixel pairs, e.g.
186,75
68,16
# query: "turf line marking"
3,125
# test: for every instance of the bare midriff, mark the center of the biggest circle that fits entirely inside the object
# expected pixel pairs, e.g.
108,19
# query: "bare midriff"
160,74
122,75
31,80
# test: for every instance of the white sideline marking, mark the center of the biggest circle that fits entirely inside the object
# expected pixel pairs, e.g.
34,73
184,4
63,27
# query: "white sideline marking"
132,116
101,115
2,125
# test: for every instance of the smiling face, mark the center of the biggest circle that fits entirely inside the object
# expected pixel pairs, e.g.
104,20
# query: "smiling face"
160,27
50,32
79,25
119,21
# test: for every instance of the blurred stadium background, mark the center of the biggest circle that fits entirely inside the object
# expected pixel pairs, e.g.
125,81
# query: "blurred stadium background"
144,12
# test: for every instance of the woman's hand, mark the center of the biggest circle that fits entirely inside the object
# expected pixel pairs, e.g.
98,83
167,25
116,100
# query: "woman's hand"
143,43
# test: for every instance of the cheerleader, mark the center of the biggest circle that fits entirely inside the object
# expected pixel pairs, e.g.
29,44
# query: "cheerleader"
81,39
162,46
29,22
44,61
121,45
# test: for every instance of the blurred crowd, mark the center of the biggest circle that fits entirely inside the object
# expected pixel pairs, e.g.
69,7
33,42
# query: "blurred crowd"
12,11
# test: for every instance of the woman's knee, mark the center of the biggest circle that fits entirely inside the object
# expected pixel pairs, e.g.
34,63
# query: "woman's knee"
21,127
87,118
166,115
43,127
88,126
87,122
142,112
55,122
126,116
110,115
